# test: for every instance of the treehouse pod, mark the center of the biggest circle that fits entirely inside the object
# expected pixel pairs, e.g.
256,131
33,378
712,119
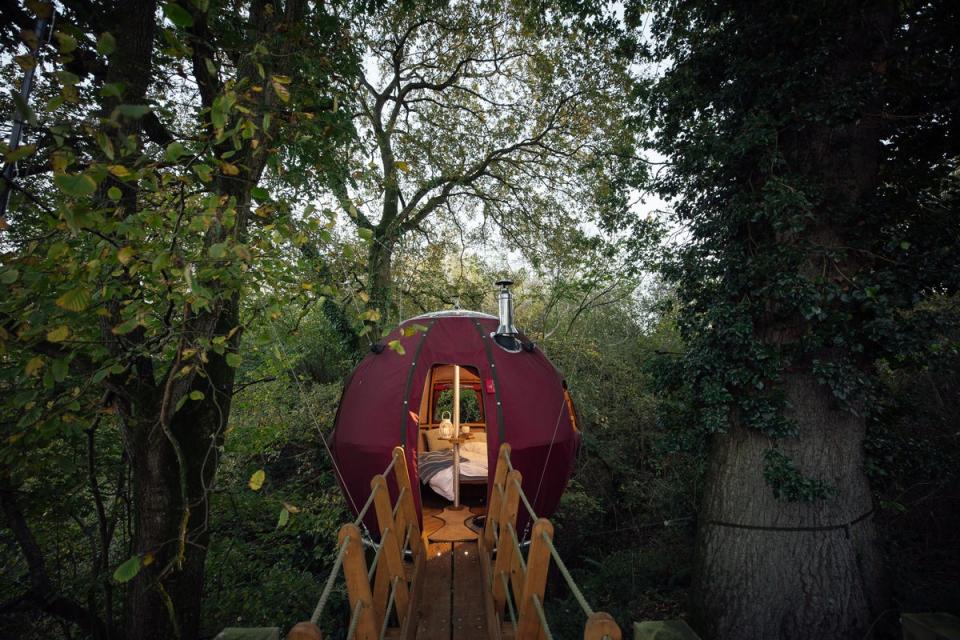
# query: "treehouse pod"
393,398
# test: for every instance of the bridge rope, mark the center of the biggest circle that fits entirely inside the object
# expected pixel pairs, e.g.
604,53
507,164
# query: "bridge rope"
341,552
328,587
390,600
354,620
515,582
508,494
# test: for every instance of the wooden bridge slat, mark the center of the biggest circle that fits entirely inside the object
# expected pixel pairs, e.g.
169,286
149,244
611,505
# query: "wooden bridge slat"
468,616
434,618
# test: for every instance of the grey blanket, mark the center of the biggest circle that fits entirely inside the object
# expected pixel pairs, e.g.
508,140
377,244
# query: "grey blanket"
433,462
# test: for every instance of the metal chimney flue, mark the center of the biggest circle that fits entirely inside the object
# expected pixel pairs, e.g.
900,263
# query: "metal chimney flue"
506,334
505,301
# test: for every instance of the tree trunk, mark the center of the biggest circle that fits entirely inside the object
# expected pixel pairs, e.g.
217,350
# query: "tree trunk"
166,597
380,278
768,568
778,583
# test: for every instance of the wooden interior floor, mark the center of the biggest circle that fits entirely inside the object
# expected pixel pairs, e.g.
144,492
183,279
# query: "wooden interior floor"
452,605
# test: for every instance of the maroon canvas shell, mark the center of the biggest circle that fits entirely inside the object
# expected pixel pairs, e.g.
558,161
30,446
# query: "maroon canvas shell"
528,408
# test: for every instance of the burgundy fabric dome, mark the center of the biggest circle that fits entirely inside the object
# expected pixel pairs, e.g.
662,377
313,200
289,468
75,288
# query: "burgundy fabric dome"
524,401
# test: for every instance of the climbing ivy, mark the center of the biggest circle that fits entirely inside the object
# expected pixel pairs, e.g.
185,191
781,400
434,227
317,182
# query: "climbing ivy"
781,267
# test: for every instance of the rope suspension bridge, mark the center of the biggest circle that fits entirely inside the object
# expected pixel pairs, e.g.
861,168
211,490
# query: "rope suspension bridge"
413,588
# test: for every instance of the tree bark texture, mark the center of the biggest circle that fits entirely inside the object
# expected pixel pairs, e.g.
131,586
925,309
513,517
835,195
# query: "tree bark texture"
758,573
380,277
165,600
781,583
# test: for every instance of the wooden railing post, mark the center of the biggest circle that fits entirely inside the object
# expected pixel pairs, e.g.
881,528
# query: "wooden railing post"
508,514
358,586
391,557
500,476
601,624
407,506
538,565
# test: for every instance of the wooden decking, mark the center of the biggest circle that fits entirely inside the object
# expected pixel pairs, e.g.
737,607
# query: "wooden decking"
452,602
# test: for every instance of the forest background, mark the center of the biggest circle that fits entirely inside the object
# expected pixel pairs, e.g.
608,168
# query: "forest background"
302,176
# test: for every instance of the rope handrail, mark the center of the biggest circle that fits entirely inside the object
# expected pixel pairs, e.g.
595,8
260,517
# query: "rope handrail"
523,496
538,607
328,587
389,609
516,547
354,620
396,507
366,507
526,503
389,468
506,594
375,606
528,614
581,600
376,556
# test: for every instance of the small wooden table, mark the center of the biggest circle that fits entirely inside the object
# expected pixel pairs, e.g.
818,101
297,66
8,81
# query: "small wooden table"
456,442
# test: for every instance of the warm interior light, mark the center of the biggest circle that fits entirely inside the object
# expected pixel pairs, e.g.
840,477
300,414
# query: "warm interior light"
446,427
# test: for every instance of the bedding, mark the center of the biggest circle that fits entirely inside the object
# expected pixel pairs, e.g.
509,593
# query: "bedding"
435,443
436,468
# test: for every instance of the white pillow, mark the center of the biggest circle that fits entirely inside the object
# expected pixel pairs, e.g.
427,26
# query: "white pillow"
472,446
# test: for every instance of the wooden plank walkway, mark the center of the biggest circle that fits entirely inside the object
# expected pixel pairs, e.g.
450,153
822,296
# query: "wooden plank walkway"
452,607
452,603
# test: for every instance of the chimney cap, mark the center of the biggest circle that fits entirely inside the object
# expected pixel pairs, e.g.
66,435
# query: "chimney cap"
504,283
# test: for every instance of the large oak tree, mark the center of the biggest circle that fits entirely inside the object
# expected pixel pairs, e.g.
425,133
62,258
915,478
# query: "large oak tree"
813,150
503,120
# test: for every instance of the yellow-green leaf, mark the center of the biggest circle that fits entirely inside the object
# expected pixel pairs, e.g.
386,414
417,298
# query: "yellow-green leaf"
284,518
106,44
282,92
59,334
26,62
177,14
34,365
125,255
125,327
128,570
403,166
75,185
256,480
67,42
74,300
19,154
396,346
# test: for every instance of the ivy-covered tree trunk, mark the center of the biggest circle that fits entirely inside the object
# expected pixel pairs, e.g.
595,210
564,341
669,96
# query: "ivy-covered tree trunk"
380,277
773,116
787,546
166,597
771,569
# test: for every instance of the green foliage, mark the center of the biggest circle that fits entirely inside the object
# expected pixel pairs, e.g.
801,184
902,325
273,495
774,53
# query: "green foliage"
788,483
782,270
261,572
133,259
469,408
